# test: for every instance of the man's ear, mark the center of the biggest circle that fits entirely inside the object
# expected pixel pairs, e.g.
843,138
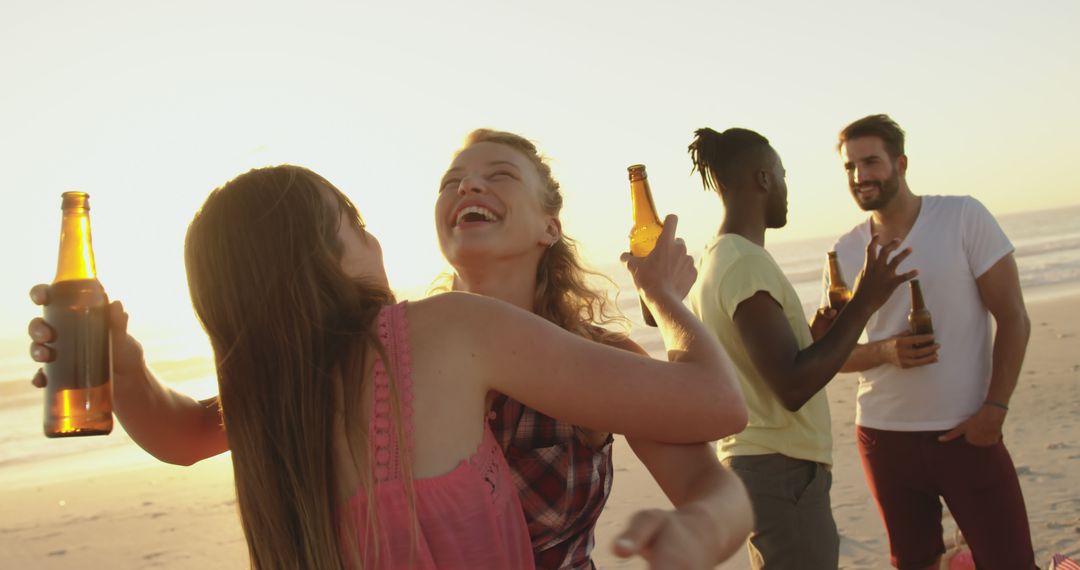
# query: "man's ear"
763,180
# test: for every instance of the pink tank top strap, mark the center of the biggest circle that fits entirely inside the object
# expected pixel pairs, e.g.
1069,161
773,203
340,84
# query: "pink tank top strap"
386,449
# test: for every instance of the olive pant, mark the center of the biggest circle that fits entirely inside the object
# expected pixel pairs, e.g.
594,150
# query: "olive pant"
794,527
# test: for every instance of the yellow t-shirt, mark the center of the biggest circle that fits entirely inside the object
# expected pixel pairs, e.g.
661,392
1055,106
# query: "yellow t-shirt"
731,270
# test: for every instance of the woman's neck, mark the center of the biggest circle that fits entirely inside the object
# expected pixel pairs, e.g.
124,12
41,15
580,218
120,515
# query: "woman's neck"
512,281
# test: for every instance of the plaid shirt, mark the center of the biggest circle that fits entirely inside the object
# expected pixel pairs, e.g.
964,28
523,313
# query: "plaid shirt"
562,482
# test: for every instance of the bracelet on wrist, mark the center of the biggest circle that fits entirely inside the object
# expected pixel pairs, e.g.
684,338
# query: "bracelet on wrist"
996,404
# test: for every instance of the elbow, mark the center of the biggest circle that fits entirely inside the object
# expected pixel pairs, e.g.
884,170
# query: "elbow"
174,457
1016,321
183,460
180,461
737,421
718,427
727,417
793,402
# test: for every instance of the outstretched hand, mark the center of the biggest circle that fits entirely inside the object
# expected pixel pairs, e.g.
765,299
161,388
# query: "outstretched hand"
668,269
127,353
879,278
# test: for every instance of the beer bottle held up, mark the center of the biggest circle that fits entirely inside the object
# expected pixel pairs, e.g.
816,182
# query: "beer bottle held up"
919,319
839,294
78,394
647,225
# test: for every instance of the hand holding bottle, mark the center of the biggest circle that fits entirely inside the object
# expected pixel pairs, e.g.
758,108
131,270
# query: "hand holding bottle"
127,353
668,272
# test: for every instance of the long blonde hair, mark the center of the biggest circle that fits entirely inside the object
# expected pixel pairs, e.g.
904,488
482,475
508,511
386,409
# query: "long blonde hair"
290,332
563,294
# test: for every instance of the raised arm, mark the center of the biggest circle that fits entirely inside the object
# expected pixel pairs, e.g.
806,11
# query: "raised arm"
999,288
795,375
585,383
173,427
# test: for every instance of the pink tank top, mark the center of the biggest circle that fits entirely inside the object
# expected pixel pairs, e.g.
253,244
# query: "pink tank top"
468,518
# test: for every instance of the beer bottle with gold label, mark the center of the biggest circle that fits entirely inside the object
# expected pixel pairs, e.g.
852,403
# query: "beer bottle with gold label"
919,319
839,294
78,395
647,225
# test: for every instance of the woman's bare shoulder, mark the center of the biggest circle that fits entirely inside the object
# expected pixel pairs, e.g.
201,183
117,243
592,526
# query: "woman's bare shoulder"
457,315
448,304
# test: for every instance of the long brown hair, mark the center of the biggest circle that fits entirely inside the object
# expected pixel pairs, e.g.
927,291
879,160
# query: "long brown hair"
290,332
563,294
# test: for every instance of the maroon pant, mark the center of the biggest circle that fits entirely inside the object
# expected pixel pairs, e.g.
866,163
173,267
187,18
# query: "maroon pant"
908,471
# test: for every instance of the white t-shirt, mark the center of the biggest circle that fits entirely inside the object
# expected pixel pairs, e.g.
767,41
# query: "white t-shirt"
954,241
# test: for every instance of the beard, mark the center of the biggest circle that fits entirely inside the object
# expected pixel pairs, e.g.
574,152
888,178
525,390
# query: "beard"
886,191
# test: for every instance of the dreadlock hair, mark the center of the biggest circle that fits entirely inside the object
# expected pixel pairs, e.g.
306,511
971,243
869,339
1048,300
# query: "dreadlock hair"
721,157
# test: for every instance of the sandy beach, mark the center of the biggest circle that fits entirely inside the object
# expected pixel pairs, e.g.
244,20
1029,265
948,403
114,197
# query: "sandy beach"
143,514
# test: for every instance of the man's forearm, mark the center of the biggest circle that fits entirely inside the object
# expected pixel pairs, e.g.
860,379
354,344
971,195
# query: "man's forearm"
819,363
864,357
173,427
1010,346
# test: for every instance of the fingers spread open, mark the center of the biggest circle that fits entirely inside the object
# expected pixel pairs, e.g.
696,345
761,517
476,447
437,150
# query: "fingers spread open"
899,258
871,250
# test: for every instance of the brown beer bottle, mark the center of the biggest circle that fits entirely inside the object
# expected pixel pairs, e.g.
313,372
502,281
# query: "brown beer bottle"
647,225
839,294
78,396
919,319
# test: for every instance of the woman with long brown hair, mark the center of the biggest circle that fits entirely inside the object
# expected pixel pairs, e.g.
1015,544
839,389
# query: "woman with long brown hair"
562,470
356,424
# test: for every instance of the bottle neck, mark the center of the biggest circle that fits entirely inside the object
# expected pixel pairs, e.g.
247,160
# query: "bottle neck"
76,259
835,278
641,203
917,303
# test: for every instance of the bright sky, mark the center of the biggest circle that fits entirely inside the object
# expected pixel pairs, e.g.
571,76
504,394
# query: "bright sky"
149,105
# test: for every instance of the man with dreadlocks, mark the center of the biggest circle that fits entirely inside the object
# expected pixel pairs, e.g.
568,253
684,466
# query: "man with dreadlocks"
785,453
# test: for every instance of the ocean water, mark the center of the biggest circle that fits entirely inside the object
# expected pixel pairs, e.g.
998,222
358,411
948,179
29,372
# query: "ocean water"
1047,253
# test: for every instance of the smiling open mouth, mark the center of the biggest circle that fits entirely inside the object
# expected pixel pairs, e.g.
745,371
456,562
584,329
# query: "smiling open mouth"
474,215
